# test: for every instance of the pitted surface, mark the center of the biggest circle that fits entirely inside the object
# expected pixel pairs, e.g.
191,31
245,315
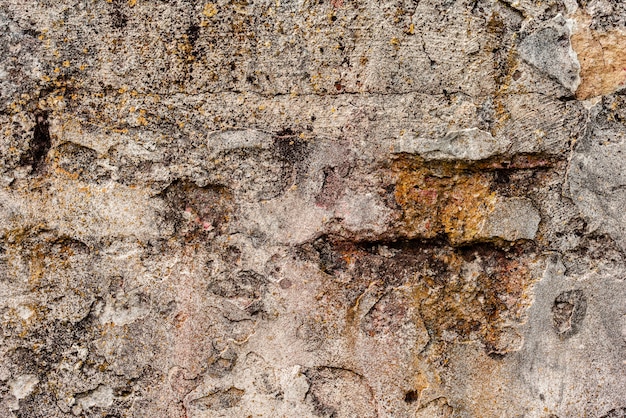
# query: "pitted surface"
331,209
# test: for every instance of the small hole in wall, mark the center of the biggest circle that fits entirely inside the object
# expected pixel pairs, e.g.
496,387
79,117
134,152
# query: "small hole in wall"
411,396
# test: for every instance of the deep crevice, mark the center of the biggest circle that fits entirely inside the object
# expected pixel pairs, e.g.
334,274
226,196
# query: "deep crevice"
40,143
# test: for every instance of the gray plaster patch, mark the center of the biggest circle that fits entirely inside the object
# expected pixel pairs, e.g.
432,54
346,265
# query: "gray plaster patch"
597,183
548,48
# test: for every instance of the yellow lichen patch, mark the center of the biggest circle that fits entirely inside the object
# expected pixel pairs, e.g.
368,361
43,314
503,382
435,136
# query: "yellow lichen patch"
446,201
602,58
184,50
210,10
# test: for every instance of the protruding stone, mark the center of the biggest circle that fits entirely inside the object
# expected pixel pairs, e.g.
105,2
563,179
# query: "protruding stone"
100,397
23,385
467,144
511,220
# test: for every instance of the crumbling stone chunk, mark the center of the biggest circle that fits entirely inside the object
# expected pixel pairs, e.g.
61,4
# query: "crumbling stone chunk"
568,312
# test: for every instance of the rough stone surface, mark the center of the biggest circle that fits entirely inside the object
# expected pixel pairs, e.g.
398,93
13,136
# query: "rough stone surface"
312,209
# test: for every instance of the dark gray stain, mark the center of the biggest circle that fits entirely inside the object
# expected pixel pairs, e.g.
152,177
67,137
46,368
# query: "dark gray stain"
616,413
40,143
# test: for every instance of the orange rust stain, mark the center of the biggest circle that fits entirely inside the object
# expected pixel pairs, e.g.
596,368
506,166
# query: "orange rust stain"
602,58
477,293
449,201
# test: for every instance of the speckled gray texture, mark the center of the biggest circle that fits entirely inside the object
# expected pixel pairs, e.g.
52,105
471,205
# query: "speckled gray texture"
313,209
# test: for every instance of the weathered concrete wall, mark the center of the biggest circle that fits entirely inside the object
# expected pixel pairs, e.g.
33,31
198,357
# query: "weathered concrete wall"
312,208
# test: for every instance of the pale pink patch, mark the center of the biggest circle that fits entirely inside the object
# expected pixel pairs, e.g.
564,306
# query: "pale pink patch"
429,196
